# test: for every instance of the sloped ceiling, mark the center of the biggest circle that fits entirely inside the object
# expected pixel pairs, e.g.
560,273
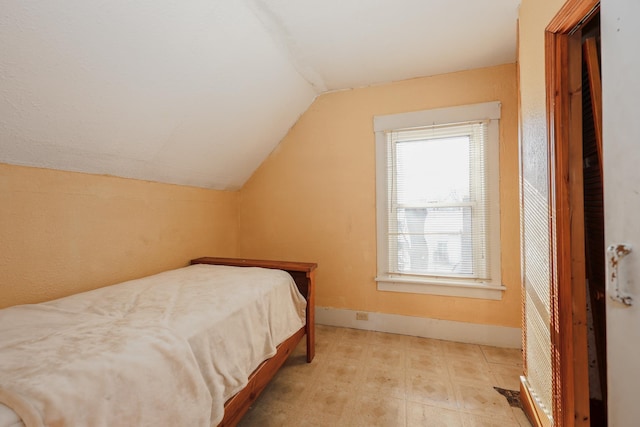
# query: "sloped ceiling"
199,92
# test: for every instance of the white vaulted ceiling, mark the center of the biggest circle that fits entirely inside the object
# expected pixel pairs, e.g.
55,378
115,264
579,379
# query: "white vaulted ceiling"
198,92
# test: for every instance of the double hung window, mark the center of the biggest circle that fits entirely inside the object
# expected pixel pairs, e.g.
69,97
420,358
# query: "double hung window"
438,201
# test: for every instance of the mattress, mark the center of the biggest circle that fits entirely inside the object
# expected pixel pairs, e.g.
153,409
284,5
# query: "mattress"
179,344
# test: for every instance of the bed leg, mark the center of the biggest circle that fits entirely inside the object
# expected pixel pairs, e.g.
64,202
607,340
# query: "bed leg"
311,317
311,343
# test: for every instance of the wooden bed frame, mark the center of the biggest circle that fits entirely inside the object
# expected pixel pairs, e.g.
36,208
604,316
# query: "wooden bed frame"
303,274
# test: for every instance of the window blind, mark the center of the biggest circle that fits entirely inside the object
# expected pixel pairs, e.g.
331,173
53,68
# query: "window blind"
438,201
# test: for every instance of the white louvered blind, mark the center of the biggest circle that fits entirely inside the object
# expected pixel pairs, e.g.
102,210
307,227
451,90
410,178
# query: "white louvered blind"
438,201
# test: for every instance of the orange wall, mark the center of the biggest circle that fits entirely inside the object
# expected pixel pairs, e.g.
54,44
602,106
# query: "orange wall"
534,16
313,199
66,232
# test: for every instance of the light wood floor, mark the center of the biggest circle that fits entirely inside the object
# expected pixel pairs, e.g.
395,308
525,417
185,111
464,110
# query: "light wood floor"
363,378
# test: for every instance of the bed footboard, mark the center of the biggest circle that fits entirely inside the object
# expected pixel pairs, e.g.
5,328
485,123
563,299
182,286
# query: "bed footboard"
303,274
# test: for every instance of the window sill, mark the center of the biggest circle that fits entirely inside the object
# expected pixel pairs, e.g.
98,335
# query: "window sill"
448,288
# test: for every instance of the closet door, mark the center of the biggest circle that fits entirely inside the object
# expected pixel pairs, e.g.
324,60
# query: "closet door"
620,20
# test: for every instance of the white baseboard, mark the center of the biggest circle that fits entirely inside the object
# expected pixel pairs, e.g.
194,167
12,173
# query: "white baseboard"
498,336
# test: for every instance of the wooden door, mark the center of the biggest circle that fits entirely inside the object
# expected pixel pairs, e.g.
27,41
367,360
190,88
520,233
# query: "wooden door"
568,296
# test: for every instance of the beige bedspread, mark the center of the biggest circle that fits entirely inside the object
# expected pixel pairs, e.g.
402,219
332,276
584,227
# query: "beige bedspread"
168,349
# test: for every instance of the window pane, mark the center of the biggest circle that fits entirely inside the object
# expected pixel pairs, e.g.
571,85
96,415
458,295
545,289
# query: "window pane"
441,207
432,170
435,241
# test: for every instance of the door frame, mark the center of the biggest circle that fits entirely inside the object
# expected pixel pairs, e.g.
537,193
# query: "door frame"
563,73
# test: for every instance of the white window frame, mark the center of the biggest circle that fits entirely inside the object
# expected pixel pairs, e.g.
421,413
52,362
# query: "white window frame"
436,285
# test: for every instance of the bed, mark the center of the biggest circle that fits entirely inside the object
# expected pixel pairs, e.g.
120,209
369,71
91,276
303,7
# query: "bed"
193,346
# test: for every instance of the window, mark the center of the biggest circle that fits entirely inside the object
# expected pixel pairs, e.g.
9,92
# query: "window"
438,201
